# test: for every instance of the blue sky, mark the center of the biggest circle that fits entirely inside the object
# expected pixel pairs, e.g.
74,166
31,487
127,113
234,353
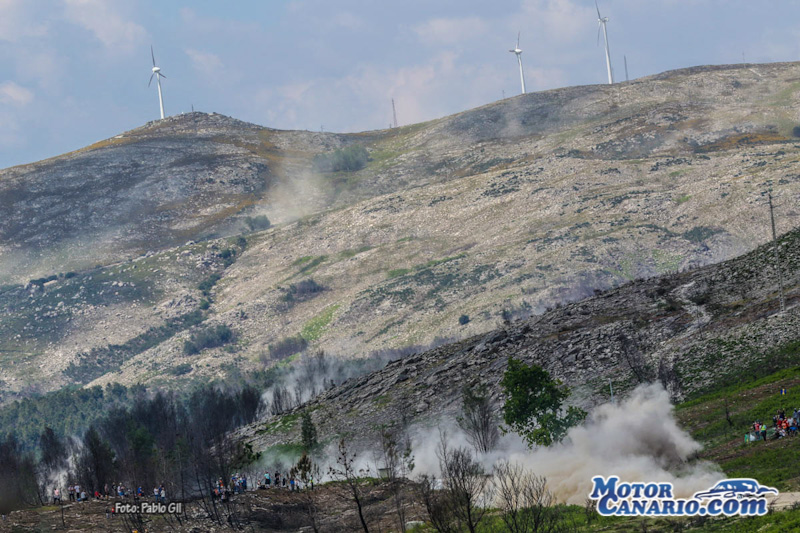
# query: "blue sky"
73,72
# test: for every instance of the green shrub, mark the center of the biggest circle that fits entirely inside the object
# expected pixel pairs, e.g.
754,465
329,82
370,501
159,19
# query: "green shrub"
302,291
700,234
258,223
348,159
228,256
287,347
210,337
463,320
180,370
208,284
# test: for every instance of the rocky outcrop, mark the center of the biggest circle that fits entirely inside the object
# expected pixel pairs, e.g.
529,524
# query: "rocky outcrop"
690,331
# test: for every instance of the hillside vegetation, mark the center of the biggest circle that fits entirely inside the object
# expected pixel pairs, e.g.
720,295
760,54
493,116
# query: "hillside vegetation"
114,256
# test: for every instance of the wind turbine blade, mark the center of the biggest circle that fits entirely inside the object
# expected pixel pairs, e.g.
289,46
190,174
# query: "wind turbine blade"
518,39
598,32
161,75
152,55
151,79
599,16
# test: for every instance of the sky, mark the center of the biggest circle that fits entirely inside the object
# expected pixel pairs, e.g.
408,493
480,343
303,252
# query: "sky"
73,72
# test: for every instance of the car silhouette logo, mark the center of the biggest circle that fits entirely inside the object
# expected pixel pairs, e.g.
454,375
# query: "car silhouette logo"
736,488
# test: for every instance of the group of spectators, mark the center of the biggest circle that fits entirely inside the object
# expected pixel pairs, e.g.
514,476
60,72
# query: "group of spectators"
285,481
76,493
221,490
782,426
238,484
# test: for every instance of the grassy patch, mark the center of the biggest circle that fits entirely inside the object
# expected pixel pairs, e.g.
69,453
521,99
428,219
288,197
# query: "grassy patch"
283,453
398,272
309,263
383,400
282,425
302,260
314,328
774,367
347,254
750,396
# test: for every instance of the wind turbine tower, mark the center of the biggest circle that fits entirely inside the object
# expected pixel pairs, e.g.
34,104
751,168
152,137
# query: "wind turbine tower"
157,74
519,59
601,22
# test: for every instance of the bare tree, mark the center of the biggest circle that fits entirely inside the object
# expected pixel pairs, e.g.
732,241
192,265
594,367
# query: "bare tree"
437,505
635,359
728,410
478,420
344,470
668,376
306,470
526,504
397,464
468,487
282,400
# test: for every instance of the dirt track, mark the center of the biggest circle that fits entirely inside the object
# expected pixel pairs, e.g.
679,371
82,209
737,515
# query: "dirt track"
784,500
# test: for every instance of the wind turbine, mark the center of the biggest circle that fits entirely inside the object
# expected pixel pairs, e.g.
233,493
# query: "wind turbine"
519,58
602,21
157,74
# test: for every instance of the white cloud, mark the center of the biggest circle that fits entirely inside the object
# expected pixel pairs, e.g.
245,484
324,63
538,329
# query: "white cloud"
361,100
204,62
19,20
14,95
449,30
557,21
10,136
348,21
103,19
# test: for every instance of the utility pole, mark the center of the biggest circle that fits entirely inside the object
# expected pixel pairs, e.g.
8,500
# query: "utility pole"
626,67
777,256
394,113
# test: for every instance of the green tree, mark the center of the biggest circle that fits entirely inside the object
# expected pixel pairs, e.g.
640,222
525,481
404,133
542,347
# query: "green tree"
308,432
533,406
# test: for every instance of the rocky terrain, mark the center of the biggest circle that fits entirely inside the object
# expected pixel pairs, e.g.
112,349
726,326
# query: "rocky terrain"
115,255
694,332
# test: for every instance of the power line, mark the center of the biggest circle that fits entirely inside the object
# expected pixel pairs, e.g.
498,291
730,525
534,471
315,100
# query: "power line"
775,248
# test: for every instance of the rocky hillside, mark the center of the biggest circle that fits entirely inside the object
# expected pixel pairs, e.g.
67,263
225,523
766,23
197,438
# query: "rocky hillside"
116,255
695,332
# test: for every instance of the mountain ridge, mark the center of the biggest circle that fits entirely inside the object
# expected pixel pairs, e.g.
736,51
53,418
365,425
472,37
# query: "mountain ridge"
514,207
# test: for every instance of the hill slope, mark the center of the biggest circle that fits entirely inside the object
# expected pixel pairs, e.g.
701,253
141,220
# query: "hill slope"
695,332
518,205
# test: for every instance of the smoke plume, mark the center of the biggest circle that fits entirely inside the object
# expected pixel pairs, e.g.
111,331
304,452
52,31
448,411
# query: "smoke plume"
637,439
